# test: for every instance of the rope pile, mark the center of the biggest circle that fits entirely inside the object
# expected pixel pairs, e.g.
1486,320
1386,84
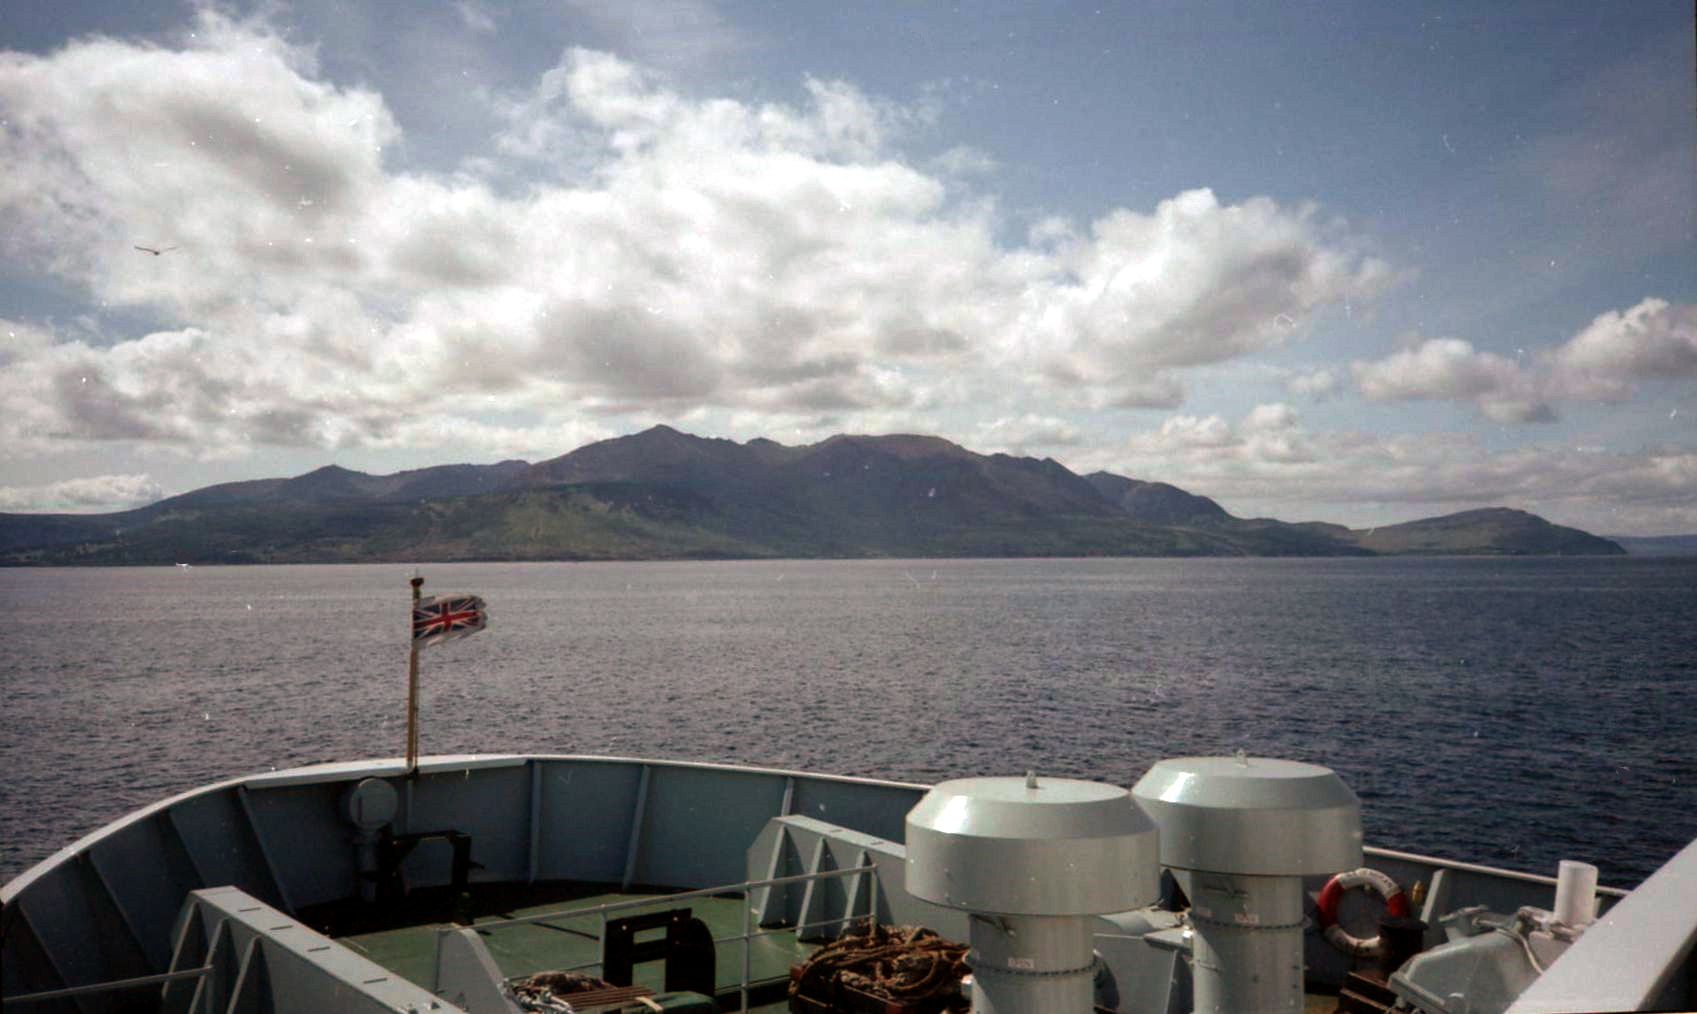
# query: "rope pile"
907,965
545,992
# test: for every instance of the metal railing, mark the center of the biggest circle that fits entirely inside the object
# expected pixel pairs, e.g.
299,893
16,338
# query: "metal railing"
107,987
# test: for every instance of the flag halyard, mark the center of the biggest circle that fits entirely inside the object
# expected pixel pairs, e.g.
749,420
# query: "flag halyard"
445,617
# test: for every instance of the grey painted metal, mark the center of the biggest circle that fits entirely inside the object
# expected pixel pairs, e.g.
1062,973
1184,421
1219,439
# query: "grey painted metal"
168,816
370,804
1028,859
1030,964
223,844
1017,846
1149,979
1388,859
1638,956
467,975
819,897
639,812
119,986
784,845
1447,880
264,843
1246,952
663,900
541,817
535,852
194,947
1253,815
706,815
303,971
698,818
1147,953
125,920
768,862
1478,974
1239,833
187,946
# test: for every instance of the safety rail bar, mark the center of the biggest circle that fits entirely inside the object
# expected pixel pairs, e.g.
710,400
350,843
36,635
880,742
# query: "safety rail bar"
112,986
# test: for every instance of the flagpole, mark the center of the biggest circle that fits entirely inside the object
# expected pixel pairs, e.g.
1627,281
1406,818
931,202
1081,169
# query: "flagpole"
412,684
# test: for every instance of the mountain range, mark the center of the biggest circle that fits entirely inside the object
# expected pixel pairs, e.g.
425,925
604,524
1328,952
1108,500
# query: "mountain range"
664,494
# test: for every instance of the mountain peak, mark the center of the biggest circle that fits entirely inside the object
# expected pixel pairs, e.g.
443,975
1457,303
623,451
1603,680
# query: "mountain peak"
657,451
662,431
320,483
907,446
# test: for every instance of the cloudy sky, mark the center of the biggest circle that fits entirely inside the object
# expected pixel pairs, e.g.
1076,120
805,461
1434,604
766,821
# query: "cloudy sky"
1334,261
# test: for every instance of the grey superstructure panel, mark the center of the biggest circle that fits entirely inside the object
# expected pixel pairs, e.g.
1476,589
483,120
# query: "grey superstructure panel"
307,841
491,805
584,819
698,823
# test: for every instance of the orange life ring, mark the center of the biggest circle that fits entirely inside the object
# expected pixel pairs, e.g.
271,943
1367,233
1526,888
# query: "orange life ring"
1326,906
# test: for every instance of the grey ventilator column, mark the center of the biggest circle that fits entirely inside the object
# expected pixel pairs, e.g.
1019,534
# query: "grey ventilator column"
1032,859
1239,833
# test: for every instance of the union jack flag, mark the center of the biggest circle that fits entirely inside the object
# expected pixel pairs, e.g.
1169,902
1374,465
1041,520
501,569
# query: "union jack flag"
445,617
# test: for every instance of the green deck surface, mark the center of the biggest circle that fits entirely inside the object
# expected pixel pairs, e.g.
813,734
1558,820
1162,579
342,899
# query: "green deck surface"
570,942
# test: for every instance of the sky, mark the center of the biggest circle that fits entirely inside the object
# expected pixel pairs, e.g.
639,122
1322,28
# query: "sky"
1347,262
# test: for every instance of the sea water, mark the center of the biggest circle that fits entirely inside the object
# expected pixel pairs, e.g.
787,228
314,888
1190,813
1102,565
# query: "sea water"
1512,712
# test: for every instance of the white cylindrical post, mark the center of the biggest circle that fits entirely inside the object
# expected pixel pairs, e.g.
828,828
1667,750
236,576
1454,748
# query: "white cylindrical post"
1576,893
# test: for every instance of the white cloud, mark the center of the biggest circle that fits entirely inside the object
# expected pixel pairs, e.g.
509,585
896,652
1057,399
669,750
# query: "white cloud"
228,150
1450,369
1272,433
1271,418
96,494
1018,434
1653,340
963,160
1318,384
1182,433
1269,464
1195,283
664,32
1268,432
690,254
474,16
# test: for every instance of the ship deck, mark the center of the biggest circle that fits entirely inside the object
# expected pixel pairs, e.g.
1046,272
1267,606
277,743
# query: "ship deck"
563,931
246,878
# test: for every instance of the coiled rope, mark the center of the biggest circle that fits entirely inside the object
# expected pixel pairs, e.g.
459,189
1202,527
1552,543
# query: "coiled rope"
908,965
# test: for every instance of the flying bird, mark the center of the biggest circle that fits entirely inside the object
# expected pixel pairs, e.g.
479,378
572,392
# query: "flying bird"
155,251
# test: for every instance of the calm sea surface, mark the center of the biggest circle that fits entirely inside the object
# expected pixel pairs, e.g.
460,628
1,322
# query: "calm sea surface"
1509,712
